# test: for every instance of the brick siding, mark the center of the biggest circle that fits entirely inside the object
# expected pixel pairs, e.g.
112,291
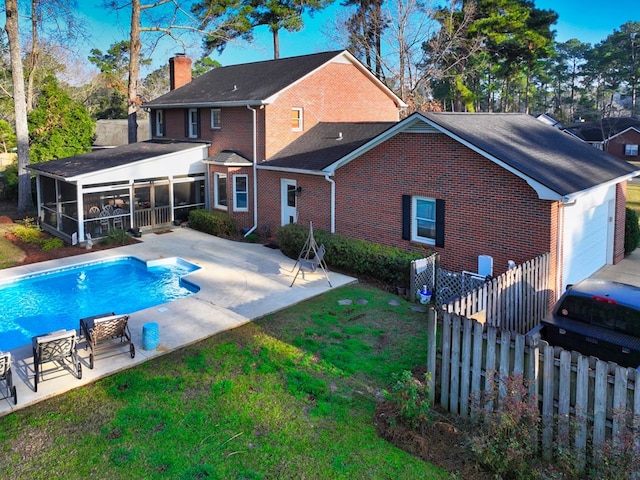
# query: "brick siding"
337,92
621,212
487,209
616,145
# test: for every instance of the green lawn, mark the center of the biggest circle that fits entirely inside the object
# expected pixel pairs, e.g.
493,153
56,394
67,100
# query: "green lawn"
289,396
633,197
10,255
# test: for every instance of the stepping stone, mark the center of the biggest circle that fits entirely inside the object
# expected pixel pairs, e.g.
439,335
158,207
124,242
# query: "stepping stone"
362,301
344,302
394,303
418,308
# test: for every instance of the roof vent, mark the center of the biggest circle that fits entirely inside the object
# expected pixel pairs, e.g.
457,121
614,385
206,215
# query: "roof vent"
339,137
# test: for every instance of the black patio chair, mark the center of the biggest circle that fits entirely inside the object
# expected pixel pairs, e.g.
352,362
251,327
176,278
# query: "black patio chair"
7,388
103,329
58,348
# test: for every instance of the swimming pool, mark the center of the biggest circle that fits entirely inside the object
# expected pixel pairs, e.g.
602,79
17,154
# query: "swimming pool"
56,299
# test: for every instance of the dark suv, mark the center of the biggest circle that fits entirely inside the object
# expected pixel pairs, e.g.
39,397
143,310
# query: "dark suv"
598,318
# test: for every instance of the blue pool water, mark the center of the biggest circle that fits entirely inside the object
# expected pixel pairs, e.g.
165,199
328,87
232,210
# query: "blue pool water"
56,299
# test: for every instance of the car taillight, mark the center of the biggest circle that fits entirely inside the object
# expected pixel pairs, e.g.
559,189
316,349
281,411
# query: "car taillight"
608,300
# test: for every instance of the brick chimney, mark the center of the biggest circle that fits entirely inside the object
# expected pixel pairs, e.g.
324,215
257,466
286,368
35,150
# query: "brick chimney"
179,71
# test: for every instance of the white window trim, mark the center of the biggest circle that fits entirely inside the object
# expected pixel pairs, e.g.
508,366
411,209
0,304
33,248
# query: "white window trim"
216,196
160,123
300,126
213,125
193,126
414,220
235,193
631,150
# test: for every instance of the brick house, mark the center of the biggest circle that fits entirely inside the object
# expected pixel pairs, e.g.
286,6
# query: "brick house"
318,138
249,112
207,136
464,185
620,136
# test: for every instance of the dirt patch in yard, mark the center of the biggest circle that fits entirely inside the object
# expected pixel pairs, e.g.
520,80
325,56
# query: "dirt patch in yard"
438,442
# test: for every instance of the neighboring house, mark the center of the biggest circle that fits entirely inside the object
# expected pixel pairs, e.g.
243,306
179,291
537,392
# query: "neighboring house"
619,136
464,185
549,120
318,139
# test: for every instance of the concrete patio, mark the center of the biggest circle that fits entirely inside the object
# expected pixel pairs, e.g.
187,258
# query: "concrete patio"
238,282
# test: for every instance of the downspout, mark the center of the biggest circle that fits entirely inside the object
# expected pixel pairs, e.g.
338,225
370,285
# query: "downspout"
333,202
255,173
559,252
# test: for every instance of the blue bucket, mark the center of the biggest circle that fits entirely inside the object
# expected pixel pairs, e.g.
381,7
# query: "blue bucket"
150,336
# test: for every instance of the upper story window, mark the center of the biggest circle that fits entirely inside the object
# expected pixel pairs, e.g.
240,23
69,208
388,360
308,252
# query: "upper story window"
193,123
296,119
240,193
220,190
631,150
215,118
160,123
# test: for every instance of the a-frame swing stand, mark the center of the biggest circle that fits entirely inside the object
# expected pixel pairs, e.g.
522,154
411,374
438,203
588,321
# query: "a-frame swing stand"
311,257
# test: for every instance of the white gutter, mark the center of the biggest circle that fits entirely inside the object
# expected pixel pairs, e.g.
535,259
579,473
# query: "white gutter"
303,171
255,172
571,198
328,178
235,103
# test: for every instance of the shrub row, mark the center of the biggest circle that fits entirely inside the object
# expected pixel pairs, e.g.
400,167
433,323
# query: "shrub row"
631,231
213,223
358,257
29,232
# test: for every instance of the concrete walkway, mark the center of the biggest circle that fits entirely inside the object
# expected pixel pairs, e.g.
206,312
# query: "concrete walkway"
238,282
626,271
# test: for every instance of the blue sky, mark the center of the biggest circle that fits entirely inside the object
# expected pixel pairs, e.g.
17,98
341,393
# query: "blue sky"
587,20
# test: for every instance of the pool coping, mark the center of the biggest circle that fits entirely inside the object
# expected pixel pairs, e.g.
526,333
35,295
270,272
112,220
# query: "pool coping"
239,282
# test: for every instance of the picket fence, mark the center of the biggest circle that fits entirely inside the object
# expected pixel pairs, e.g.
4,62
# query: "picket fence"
516,300
584,402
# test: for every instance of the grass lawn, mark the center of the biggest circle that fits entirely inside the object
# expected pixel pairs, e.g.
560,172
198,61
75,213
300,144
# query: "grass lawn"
10,255
633,197
289,396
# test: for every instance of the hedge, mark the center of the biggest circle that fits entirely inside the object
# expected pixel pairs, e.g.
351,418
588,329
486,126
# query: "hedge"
390,265
631,231
213,223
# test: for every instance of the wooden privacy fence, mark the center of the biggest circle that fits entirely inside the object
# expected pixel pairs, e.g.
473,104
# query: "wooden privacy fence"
583,401
516,300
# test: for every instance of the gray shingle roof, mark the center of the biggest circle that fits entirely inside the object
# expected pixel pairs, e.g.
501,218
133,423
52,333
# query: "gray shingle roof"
545,154
109,158
326,143
248,83
228,157
607,127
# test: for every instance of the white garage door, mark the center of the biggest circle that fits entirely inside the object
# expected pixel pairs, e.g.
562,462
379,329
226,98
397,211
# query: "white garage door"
588,235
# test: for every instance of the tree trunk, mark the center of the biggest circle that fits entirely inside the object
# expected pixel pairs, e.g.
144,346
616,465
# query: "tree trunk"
276,43
134,73
19,101
33,61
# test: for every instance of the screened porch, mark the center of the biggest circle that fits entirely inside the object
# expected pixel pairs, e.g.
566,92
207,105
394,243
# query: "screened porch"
94,201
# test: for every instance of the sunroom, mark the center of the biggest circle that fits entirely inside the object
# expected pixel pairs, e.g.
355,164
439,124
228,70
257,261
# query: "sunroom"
140,186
